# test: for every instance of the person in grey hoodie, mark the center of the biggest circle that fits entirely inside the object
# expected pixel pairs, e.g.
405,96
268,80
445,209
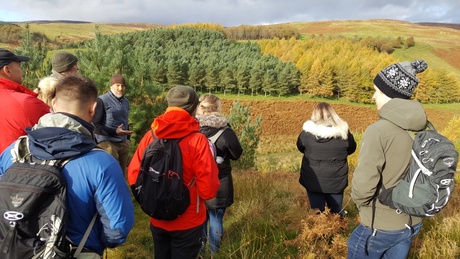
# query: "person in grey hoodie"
384,156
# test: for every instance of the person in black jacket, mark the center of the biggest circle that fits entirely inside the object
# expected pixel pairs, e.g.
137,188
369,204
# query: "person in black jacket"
111,121
228,148
326,142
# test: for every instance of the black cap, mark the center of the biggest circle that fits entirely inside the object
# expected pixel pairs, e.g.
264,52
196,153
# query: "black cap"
7,57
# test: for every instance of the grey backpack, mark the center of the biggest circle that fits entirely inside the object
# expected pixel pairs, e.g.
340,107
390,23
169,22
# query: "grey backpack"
429,181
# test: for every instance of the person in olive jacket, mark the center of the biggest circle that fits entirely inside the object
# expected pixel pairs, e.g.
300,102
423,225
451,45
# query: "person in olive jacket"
384,156
228,148
326,142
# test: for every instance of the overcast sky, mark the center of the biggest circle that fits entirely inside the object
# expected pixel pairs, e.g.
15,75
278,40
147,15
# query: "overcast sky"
230,12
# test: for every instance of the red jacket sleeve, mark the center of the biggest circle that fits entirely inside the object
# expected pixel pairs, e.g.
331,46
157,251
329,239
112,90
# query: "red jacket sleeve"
135,164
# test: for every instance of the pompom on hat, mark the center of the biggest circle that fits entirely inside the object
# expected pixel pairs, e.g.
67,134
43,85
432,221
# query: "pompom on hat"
63,61
399,80
183,97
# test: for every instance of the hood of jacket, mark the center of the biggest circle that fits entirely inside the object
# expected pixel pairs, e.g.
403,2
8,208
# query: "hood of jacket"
174,123
60,136
321,132
211,123
407,114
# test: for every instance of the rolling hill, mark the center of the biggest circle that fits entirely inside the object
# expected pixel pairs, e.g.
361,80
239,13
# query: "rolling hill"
437,43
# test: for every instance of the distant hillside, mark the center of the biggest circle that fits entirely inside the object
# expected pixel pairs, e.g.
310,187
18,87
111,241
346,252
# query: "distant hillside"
63,31
437,43
53,21
446,25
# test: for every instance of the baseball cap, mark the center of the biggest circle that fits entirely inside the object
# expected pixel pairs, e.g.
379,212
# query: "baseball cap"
7,57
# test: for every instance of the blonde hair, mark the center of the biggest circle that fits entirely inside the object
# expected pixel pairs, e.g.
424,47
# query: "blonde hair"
324,114
209,104
46,89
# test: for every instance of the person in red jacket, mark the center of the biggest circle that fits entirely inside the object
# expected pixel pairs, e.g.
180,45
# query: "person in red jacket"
181,238
19,106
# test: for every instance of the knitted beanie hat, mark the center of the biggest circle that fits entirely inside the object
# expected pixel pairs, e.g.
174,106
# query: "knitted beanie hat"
399,80
117,79
63,61
183,97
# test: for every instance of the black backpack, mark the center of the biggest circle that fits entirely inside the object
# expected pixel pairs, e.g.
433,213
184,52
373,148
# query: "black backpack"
159,187
429,181
33,208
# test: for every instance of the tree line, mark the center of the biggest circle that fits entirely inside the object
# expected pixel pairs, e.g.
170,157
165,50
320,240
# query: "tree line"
338,67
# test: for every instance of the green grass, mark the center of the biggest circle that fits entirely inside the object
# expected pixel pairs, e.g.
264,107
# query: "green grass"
424,51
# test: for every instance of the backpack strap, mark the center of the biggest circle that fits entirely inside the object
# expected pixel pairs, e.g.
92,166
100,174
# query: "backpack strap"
20,149
216,136
10,237
85,237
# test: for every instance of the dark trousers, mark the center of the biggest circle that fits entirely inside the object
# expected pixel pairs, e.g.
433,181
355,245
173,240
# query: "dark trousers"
319,200
181,244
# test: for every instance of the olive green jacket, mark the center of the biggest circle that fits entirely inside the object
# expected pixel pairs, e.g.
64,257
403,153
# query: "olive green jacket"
385,154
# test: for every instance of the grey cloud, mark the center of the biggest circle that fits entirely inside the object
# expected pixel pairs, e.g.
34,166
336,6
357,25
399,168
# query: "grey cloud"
230,12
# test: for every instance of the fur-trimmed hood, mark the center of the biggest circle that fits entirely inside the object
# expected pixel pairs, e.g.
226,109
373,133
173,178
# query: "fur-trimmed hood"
214,120
321,131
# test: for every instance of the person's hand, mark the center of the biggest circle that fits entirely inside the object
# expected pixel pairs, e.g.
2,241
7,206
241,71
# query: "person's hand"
121,131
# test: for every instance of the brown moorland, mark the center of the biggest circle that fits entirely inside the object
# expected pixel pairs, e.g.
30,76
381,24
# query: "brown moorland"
287,117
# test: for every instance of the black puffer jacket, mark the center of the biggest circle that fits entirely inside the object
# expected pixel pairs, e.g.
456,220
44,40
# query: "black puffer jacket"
229,148
324,164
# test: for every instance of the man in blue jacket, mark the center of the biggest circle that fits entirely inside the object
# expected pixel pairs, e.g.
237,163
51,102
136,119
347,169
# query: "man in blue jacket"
95,182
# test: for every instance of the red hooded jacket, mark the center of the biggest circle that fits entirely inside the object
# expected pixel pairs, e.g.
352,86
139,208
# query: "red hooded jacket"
20,109
197,161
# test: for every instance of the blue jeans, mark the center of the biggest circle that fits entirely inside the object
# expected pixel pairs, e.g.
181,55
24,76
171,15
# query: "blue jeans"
216,229
392,244
319,200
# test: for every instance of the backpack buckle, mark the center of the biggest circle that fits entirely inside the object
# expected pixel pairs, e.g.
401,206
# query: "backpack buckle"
13,216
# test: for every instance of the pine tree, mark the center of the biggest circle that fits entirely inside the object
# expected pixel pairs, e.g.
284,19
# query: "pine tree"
36,68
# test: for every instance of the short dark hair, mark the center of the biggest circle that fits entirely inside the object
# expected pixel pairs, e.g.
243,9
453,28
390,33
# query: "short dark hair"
76,88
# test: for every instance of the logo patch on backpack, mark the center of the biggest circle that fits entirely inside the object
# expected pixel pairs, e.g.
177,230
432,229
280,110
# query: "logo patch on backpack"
33,208
159,187
429,180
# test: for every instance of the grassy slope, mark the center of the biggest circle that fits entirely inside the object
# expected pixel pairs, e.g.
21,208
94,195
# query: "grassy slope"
68,32
71,32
